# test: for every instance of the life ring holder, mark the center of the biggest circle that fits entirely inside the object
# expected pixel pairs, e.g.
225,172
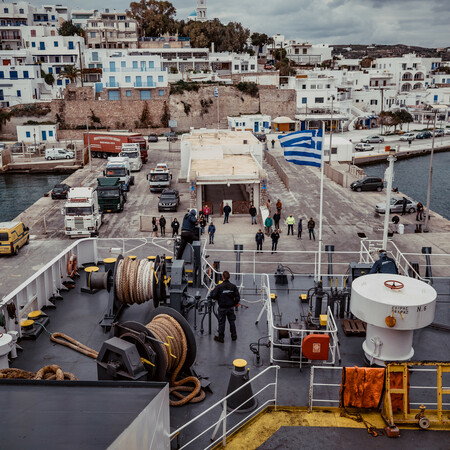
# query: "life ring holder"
72,266
394,284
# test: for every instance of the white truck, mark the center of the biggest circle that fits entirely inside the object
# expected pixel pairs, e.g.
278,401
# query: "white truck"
159,178
82,216
133,152
120,167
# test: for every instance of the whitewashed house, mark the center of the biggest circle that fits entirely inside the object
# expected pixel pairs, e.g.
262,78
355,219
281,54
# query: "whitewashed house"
37,134
257,123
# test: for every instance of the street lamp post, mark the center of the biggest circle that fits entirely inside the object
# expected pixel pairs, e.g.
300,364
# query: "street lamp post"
88,140
430,175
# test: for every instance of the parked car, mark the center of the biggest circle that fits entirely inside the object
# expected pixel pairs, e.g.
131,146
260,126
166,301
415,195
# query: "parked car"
13,236
396,206
168,200
172,136
447,131
424,135
367,184
439,133
372,139
261,137
152,138
17,147
60,191
363,147
408,137
58,153
2,146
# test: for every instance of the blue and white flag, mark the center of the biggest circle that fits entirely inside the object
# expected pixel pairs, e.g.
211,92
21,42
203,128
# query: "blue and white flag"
216,92
303,147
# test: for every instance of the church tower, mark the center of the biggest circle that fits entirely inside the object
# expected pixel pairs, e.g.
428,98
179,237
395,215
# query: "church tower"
201,11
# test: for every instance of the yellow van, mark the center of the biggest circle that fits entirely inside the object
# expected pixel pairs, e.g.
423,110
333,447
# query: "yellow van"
13,236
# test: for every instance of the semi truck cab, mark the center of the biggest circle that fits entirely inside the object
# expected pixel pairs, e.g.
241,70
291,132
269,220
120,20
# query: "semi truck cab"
119,167
133,153
159,178
111,197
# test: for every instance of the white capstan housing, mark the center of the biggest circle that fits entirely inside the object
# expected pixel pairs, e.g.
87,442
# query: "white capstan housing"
393,307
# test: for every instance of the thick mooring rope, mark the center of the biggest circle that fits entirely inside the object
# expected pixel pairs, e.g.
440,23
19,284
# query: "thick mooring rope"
52,372
67,341
134,280
164,326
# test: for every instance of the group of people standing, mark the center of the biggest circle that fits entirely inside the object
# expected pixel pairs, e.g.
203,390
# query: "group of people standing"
161,222
272,226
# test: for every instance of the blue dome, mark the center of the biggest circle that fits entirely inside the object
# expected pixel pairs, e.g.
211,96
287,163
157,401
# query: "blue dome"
193,14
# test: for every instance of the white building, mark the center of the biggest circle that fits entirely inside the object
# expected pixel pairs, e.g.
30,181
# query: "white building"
341,149
133,71
20,80
16,14
258,123
228,62
37,134
307,54
200,13
80,17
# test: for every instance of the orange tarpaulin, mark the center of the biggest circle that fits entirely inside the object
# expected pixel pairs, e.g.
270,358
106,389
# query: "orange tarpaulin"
362,387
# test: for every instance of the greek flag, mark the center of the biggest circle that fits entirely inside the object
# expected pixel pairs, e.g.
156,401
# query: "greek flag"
216,92
303,147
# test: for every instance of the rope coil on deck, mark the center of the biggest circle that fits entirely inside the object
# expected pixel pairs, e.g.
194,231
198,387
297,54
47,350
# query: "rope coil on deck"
134,281
164,328
51,372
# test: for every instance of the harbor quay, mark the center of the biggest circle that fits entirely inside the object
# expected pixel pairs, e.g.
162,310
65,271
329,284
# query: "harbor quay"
347,215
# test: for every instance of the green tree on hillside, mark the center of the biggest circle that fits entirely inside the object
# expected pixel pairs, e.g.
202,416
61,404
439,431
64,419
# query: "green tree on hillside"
67,28
71,72
154,17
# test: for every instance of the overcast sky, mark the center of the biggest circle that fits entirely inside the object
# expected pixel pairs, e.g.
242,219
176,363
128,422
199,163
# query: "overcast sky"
411,22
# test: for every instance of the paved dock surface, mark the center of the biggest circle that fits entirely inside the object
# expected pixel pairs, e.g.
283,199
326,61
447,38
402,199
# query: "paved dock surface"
345,213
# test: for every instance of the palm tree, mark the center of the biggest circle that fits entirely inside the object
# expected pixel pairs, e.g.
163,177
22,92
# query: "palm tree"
70,72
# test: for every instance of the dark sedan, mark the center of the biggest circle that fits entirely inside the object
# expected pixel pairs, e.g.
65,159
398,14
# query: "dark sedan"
424,135
60,191
152,138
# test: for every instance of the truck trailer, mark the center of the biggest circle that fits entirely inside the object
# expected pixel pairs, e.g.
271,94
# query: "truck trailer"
106,144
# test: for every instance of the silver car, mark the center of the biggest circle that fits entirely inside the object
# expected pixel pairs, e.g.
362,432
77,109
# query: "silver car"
396,206
363,147
372,139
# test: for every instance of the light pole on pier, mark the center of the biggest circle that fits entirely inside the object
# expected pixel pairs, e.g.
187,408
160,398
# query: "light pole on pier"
87,134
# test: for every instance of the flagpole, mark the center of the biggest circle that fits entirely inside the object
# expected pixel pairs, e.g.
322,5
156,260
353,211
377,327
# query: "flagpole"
321,203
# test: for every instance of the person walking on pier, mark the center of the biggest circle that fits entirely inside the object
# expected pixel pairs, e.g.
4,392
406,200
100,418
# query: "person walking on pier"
273,143
228,297
206,212
276,219
259,238
290,221
203,221
395,221
268,224
252,211
175,227
211,232
299,229
275,237
268,205
384,264
419,211
162,225
154,227
187,231
226,212
404,204
279,206
311,226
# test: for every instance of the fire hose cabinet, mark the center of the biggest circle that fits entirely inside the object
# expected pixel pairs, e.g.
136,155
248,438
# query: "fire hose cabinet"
315,346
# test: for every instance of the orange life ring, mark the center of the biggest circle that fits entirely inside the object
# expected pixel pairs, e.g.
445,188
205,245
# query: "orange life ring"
72,266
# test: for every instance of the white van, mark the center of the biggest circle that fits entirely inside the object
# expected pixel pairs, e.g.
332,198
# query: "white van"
58,153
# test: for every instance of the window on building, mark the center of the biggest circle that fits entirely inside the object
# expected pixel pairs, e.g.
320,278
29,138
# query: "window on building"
374,102
127,25
334,150
145,95
328,86
52,33
57,70
91,66
67,81
41,45
21,11
71,46
127,79
53,17
13,75
151,64
161,93
236,67
2,74
303,86
50,70
318,100
28,134
55,44
403,66
94,56
33,33
113,95
5,10
50,133
128,93
252,67
92,34
304,100
135,64
305,51
313,86
19,94
33,44
123,63
25,74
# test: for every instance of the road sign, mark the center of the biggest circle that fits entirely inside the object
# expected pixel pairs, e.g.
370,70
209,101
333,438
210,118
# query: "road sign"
173,123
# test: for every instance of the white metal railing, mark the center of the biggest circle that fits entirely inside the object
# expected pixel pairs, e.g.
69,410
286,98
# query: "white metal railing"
313,384
224,414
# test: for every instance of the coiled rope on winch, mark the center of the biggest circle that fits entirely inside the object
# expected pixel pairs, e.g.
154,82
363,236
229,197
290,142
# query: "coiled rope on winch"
167,329
134,280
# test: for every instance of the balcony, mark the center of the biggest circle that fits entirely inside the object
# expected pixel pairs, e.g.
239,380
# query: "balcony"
113,84
144,85
134,69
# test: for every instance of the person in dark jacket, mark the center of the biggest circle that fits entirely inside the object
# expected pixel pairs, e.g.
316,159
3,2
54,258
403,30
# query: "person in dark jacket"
299,229
227,296
187,231
162,225
276,219
259,238
275,236
404,205
226,212
175,227
203,221
384,264
211,232
311,226
419,215
155,227
252,211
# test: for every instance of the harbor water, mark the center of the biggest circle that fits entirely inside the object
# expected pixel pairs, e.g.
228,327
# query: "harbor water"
20,191
411,178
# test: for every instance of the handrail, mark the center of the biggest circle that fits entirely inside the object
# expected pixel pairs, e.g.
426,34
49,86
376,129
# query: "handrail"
223,403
